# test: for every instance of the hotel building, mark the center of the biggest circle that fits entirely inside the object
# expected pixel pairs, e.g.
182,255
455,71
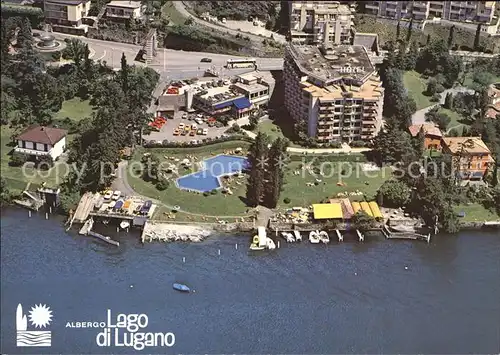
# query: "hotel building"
319,21
335,89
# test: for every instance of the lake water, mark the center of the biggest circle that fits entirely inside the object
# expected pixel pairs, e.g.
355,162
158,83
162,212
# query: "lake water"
373,297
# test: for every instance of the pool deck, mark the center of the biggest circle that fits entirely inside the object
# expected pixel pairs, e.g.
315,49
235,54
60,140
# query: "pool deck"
206,165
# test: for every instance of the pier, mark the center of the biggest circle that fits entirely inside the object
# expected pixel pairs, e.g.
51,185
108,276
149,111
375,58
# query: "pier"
166,232
87,230
405,235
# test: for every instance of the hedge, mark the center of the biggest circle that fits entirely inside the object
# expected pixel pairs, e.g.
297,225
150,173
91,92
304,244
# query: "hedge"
205,142
329,157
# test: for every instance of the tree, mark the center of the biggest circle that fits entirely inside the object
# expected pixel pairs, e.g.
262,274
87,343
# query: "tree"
428,40
24,36
398,30
391,145
428,199
451,36
124,73
398,107
362,221
275,172
410,30
257,159
401,56
448,101
411,56
189,21
477,38
4,191
431,87
393,194
253,121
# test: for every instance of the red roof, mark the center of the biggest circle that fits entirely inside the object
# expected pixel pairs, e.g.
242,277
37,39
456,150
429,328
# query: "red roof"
42,135
429,129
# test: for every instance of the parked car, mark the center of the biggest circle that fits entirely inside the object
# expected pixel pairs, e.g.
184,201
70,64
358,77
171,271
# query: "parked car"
206,60
184,133
194,141
116,195
200,131
176,132
205,131
108,194
184,116
194,127
181,126
192,133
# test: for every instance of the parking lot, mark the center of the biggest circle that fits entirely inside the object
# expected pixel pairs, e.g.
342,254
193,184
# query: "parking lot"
186,134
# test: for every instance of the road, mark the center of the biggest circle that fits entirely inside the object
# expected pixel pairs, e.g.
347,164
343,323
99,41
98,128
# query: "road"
419,116
179,6
172,64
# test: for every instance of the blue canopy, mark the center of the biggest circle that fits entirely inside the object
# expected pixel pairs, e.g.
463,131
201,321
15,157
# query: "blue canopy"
477,174
242,103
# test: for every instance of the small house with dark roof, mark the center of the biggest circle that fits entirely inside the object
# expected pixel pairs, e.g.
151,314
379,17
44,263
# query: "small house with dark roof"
37,141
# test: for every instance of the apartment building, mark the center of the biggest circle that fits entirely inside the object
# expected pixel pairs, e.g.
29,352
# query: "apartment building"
474,156
66,15
318,21
459,11
335,89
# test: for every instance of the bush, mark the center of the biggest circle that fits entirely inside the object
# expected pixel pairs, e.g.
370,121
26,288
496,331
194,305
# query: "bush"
206,193
436,98
358,144
286,200
18,159
213,192
162,184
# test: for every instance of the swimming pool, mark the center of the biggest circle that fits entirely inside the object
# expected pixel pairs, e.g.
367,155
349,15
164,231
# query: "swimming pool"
208,178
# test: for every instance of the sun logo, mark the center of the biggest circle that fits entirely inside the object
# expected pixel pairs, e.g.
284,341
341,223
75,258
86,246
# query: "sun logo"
40,316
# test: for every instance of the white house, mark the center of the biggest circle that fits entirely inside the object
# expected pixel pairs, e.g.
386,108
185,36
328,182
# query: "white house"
42,141
124,9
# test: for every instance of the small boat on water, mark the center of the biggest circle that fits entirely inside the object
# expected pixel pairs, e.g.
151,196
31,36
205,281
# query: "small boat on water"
181,287
288,237
323,236
297,235
314,237
255,246
270,244
124,224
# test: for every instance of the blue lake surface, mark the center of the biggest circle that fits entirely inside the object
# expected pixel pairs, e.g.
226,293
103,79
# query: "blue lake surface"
374,297
213,168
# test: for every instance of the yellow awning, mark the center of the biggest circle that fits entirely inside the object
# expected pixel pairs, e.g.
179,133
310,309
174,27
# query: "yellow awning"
366,208
375,210
356,207
327,210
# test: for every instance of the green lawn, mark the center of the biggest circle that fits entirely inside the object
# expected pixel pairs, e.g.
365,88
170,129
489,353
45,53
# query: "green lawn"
457,120
302,195
416,86
271,129
216,205
76,109
18,177
476,213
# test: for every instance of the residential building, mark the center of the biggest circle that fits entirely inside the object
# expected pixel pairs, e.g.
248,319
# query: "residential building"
37,141
494,101
459,11
432,135
473,156
67,15
335,90
124,9
320,21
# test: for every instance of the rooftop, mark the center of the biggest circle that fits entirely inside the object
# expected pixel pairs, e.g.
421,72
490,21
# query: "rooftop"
333,63
251,87
493,110
127,4
68,2
42,135
371,89
327,210
325,7
428,128
471,145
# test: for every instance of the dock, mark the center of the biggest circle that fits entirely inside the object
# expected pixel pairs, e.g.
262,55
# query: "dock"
87,230
87,226
86,205
405,235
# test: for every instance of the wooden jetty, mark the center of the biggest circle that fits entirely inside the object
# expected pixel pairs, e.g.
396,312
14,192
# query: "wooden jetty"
85,206
405,235
87,230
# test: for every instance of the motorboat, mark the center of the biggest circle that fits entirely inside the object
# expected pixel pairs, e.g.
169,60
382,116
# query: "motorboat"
314,237
323,236
288,237
270,244
124,224
255,246
181,287
297,235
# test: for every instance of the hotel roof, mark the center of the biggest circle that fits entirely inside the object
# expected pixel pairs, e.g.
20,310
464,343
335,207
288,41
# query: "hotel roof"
428,128
332,63
470,145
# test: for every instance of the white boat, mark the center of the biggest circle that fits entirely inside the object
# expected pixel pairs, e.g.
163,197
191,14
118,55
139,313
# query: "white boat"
124,224
323,236
254,246
298,237
270,244
314,237
288,237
